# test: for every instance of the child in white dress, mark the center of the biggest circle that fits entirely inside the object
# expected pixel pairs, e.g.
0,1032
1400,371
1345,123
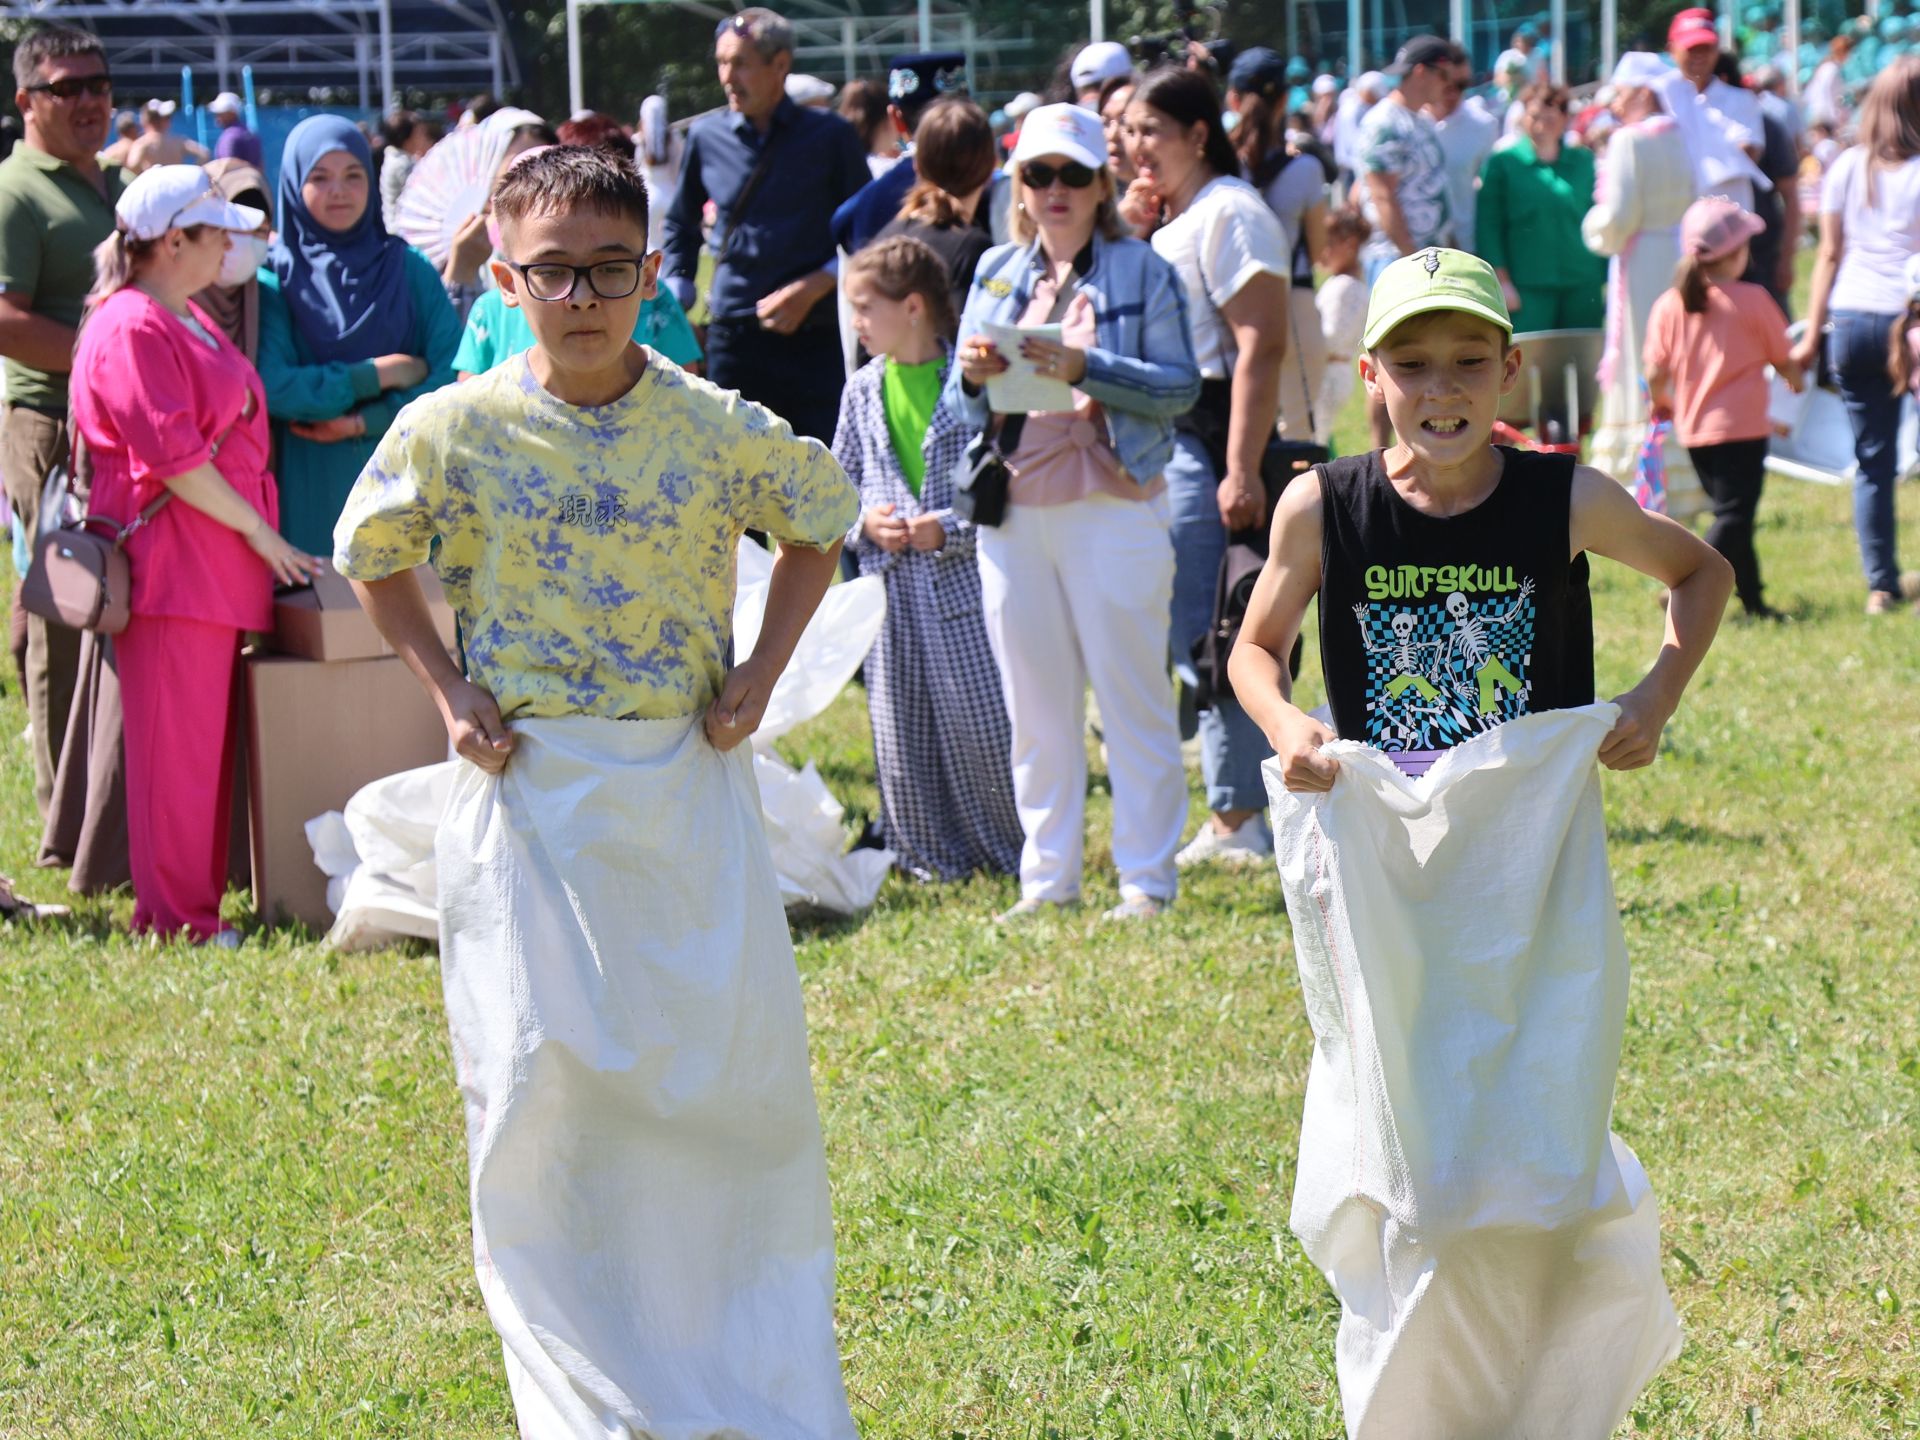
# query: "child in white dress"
1342,303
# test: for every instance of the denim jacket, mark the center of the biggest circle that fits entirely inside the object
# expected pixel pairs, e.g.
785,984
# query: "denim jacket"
1141,369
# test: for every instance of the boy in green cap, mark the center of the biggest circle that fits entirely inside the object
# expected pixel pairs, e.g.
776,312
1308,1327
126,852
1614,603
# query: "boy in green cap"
1494,1247
1452,572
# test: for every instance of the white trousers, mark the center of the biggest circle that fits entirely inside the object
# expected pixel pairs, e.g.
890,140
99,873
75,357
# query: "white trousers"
1077,593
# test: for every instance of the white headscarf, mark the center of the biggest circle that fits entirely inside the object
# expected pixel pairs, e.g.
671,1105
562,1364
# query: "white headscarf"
496,136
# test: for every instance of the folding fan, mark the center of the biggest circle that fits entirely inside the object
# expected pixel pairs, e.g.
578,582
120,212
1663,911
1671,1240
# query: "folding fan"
452,180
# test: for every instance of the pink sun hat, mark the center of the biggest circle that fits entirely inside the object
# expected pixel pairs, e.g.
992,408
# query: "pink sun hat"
1714,226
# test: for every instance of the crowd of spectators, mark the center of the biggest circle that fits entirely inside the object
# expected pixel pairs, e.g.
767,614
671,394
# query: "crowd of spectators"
1193,241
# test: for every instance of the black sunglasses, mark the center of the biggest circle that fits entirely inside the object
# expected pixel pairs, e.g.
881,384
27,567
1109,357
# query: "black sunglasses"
1037,175
733,24
72,88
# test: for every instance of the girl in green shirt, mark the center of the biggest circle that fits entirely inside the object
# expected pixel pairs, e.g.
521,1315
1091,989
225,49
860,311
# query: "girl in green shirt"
942,743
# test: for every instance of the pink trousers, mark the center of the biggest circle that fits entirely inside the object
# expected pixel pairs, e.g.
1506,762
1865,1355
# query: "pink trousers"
178,687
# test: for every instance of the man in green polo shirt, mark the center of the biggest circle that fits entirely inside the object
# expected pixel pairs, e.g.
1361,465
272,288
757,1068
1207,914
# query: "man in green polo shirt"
56,205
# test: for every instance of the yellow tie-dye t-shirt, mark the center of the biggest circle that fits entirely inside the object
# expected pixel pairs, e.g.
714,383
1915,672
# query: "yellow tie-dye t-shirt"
589,552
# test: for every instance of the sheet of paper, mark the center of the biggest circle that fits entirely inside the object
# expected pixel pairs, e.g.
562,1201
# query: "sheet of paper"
1023,389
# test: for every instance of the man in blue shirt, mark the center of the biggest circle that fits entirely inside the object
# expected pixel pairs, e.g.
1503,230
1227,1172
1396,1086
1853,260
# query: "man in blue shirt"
775,171
914,83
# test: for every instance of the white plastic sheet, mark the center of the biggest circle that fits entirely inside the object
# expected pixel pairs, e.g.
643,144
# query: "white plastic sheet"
808,841
378,857
649,1191
1496,1250
379,852
831,648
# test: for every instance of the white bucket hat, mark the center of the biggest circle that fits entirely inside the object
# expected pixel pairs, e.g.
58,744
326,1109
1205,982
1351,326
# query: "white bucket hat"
167,196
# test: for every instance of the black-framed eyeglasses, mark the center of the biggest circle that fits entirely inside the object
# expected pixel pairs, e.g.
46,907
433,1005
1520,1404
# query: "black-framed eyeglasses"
609,279
1037,175
74,86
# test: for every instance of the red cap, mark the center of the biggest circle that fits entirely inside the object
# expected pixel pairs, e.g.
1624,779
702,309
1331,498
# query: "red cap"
1691,28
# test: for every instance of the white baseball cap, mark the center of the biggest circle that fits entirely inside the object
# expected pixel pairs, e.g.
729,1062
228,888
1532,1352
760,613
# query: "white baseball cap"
1023,104
1069,130
226,103
1325,85
161,107
1100,62
179,195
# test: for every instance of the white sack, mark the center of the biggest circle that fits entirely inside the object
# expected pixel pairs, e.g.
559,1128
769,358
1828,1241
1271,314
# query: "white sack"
1496,1250
649,1192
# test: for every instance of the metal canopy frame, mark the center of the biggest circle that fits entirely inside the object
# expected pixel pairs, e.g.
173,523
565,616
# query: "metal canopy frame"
384,46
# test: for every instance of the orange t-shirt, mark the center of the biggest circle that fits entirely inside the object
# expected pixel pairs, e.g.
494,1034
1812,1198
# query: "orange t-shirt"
1716,361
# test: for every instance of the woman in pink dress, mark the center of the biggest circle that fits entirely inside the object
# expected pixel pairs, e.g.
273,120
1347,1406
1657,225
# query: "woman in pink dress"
170,411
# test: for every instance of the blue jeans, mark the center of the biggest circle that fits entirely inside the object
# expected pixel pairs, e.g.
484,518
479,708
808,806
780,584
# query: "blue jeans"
1232,749
1858,352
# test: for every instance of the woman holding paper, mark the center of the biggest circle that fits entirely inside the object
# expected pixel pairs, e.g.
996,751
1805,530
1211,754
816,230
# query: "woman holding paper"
1077,582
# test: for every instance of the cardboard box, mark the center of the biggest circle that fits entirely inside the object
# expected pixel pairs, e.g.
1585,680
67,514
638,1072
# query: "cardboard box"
316,732
324,621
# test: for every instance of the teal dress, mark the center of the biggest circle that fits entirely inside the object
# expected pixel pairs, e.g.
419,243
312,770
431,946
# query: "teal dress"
314,477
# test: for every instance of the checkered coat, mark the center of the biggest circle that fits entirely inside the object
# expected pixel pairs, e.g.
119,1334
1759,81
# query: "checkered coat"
940,733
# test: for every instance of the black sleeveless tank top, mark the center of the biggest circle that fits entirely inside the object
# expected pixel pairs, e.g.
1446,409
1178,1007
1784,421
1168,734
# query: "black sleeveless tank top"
1436,629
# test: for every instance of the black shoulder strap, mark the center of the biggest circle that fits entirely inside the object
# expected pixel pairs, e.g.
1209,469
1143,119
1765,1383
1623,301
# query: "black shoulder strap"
737,210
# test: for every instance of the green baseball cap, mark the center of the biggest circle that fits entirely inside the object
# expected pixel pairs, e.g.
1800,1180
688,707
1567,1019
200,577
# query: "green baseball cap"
1434,279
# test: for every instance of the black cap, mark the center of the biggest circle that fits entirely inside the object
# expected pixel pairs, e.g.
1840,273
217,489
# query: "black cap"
1258,71
916,81
1423,50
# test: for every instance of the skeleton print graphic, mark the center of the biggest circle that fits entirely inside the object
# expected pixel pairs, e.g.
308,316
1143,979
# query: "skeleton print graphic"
1441,672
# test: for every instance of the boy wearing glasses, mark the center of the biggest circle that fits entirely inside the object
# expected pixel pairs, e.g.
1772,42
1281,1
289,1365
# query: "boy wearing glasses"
56,205
648,1187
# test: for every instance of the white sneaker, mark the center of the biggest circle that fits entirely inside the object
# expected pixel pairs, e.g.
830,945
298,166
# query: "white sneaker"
1248,845
1033,908
1136,907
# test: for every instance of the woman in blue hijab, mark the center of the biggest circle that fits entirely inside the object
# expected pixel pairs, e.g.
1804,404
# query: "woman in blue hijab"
353,324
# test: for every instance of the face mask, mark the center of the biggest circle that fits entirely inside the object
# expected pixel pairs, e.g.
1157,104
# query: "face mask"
1230,121
248,254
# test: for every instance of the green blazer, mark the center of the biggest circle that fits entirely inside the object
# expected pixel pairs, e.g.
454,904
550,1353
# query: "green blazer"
1527,218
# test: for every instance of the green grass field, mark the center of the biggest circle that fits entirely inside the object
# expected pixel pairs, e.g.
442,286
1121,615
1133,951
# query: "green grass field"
232,1183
